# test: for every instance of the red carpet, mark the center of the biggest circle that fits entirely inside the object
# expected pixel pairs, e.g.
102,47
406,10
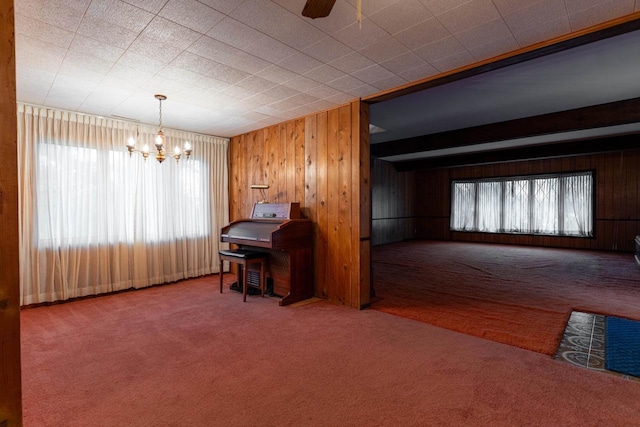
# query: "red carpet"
186,355
520,296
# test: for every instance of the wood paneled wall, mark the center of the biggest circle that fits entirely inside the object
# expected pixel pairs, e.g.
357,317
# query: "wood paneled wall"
393,200
321,161
617,206
10,386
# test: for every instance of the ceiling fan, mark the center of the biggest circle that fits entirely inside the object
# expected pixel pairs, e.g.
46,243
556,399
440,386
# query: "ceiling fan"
317,8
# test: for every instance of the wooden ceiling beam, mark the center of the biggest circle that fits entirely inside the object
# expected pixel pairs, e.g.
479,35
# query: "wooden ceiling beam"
602,115
561,149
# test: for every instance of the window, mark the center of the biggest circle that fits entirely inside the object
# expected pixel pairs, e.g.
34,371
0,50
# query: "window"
87,196
558,205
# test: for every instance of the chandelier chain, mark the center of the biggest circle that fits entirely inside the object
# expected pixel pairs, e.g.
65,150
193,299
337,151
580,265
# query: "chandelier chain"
160,115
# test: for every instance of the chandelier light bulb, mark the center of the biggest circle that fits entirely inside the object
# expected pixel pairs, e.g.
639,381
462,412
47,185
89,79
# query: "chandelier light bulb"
131,142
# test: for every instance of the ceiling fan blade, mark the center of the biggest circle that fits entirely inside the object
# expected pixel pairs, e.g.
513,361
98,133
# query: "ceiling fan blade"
317,8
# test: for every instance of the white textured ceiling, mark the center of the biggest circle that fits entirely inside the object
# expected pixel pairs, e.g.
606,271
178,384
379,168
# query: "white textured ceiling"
231,66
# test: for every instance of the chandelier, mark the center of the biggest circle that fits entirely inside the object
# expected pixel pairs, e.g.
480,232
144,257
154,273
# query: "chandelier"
159,142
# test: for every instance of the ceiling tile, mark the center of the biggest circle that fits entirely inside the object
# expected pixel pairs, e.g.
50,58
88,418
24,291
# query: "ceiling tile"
323,91
438,7
440,49
397,17
154,49
89,62
152,6
345,83
340,98
299,63
271,19
119,13
293,102
130,75
403,62
245,38
370,7
139,62
508,7
602,12
33,84
420,72
228,55
324,74
191,14
59,13
280,91
535,15
422,34
302,84
209,68
373,74
26,44
102,98
364,90
389,82
352,63
328,49
454,61
160,84
483,34
276,74
224,6
384,49
238,92
358,38
256,84
42,31
469,15
191,77
106,32
494,48
96,48
543,32
168,32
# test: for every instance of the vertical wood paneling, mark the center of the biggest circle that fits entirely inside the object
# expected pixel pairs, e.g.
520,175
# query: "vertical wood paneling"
617,204
333,206
322,188
319,163
290,165
282,162
272,143
10,382
345,194
299,139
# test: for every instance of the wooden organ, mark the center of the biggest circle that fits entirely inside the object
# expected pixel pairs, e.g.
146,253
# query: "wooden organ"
279,230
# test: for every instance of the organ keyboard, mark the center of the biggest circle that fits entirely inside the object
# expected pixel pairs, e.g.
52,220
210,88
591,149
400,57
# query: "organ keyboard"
279,230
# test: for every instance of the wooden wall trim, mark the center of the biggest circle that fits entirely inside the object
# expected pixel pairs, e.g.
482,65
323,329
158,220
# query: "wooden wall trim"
10,375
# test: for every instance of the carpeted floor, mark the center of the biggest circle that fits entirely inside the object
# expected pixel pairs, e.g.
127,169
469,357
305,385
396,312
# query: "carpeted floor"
521,296
186,355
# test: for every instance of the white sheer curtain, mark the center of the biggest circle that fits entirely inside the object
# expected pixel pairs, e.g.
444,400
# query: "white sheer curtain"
560,204
94,220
